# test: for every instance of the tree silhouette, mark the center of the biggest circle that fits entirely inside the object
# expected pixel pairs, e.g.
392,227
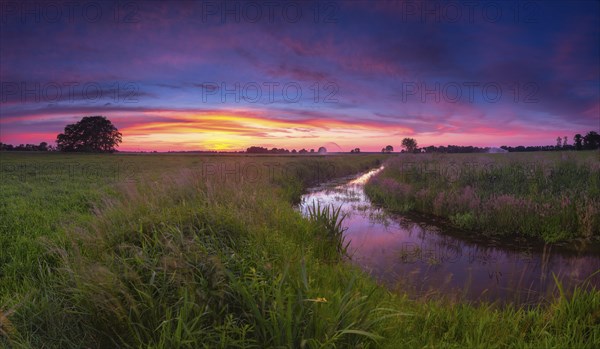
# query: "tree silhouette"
591,140
262,150
389,149
26,147
90,134
578,139
322,150
409,144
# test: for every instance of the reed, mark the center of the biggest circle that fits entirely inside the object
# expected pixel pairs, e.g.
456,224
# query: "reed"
552,197
330,219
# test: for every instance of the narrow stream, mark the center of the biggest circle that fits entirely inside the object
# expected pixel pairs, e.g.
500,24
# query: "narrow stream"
426,259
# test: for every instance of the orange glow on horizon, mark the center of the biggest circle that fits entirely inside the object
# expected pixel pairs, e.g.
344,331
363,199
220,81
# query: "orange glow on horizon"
236,130
197,131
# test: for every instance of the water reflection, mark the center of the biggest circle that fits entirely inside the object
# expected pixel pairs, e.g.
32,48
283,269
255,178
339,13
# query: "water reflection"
415,256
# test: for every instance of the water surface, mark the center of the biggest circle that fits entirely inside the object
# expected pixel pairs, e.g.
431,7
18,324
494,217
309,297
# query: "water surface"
427,259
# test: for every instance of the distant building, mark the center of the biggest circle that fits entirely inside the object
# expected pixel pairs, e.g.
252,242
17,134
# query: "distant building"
494,150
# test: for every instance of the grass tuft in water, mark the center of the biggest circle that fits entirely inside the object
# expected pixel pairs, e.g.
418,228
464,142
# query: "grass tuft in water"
329,219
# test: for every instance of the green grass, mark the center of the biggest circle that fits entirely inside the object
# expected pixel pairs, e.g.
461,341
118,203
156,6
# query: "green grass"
330,220
166,256
548,196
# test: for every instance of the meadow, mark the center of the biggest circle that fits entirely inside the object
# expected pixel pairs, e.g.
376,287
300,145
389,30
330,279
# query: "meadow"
550,196
198,251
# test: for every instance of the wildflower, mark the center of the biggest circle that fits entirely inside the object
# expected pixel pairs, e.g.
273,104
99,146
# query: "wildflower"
565,201
318,300
6,327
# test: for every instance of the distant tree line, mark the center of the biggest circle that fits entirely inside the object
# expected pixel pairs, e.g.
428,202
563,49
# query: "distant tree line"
454,149
98,134
94,134
590,141
262,150
521,148
26,147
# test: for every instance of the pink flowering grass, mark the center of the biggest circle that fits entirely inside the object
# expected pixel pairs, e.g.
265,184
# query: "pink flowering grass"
548,196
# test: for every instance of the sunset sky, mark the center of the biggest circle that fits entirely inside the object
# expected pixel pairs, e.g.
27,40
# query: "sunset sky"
194,75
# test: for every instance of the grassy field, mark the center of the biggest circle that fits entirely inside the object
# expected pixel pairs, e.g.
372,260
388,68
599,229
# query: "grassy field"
189,251
551,196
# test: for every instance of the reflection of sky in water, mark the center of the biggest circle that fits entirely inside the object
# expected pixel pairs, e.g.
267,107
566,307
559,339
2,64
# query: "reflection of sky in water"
415,256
